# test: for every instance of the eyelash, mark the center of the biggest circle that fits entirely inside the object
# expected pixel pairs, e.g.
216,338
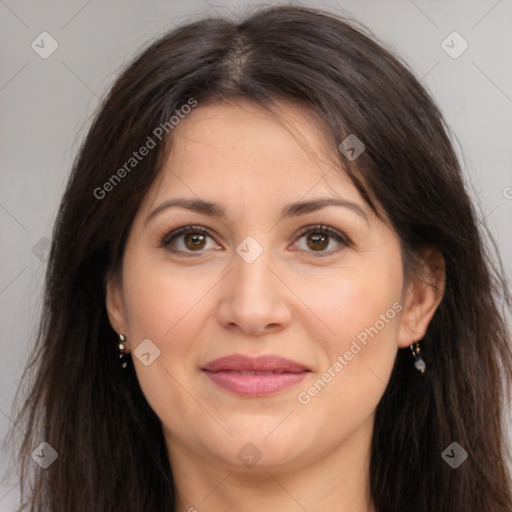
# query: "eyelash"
314,229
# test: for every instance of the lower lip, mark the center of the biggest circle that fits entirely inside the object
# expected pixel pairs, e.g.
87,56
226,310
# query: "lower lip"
255,385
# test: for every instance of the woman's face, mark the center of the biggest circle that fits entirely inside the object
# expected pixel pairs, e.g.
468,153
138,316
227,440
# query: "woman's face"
276,274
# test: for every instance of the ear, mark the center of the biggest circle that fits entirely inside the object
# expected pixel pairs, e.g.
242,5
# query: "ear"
423,294
114,302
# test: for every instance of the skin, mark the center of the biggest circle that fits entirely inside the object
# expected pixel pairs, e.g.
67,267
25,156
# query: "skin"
290,301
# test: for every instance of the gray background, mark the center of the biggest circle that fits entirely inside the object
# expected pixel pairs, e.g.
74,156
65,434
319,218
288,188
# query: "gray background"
46,105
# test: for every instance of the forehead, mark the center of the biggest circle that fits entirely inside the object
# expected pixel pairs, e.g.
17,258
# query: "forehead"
235,152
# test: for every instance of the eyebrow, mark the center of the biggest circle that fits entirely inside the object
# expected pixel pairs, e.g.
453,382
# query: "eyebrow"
289,210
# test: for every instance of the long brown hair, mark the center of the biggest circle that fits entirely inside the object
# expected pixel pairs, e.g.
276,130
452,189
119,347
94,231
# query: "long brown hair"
111,451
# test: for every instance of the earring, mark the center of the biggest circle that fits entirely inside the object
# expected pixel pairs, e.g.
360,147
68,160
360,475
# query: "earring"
122,350
419,363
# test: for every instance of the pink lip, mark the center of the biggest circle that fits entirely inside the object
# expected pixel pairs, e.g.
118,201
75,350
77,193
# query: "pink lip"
225,372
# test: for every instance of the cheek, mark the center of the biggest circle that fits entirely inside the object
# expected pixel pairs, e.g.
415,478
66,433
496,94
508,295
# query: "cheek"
165,308
354,299
360,312
162,301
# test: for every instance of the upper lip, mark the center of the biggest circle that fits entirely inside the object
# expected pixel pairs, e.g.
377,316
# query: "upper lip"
264,363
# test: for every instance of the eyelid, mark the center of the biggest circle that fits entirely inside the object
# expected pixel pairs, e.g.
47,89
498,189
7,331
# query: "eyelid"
185,229
326,229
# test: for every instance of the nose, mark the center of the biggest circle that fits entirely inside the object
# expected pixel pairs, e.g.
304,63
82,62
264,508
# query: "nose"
253,298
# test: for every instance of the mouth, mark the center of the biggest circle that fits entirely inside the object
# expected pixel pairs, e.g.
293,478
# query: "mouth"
255,377
254,372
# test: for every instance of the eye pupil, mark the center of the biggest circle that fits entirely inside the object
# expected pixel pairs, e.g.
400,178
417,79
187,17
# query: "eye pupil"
194,240
321,241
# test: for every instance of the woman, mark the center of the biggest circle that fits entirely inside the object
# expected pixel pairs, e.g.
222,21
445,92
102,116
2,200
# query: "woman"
267,290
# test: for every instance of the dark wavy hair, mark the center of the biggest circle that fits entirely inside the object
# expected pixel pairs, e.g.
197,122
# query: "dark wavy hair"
76,397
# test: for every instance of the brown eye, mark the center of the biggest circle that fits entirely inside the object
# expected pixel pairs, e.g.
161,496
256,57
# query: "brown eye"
319,238
194,241
317,241
189,239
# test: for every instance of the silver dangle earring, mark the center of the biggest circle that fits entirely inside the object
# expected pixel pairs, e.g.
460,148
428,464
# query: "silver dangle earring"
122,350
419,363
